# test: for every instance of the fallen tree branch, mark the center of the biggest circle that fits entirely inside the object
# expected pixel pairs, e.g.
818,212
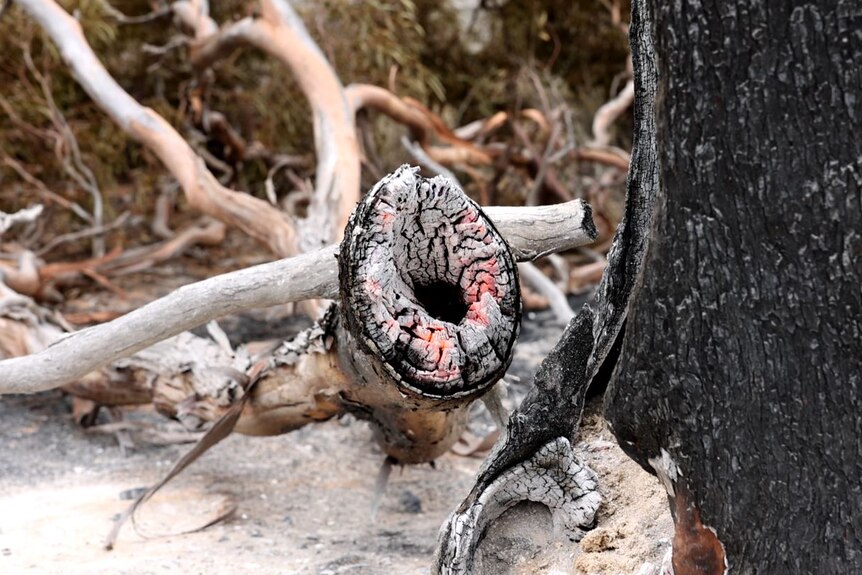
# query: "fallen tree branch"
26,215
609,156
280,32
422,123
530,232
208,233
118,222
609,112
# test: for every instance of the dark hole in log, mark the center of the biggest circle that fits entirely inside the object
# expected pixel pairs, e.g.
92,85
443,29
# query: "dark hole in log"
442,301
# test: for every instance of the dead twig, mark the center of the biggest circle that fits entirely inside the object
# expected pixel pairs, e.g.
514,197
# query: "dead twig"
420,156
609,156
209,233
118,222
162,12
609,112
423,124
43,190
68,152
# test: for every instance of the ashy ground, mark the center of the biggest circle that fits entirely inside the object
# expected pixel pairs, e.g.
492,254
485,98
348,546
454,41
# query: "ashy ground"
302,500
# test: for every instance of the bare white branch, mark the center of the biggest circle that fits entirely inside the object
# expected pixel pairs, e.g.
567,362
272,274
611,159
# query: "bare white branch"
536,231
528,231
609,112
26,215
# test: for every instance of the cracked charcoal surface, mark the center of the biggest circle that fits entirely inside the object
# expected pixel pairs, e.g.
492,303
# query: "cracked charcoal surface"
429,286
552,476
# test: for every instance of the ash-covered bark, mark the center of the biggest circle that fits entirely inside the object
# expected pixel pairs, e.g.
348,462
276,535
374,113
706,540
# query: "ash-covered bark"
535,452
552,476
429,286
742,357
552,408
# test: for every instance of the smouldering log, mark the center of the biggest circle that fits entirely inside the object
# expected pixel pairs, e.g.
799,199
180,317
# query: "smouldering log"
429,286
431,304
429,318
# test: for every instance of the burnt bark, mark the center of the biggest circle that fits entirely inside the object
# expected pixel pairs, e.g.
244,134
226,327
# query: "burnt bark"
739,376
533,461
548,418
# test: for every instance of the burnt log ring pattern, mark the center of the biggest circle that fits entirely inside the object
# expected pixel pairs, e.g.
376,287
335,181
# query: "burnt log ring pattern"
429,286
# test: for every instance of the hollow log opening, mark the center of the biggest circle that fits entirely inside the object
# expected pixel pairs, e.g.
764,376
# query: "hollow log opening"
442,301
429,286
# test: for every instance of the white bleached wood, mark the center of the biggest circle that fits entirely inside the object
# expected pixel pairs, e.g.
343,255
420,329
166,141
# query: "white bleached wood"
543,285
540,230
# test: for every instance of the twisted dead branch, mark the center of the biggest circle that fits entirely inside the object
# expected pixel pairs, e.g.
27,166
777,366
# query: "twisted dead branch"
609,112
279,32
68,152
423,123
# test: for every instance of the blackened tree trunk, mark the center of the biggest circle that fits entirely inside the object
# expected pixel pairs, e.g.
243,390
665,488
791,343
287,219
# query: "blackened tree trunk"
740,376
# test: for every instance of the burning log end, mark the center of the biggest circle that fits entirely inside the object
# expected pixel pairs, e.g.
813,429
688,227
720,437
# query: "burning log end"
429,287
430,305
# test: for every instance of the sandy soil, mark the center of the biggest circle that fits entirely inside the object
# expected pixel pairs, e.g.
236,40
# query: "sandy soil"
303,501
